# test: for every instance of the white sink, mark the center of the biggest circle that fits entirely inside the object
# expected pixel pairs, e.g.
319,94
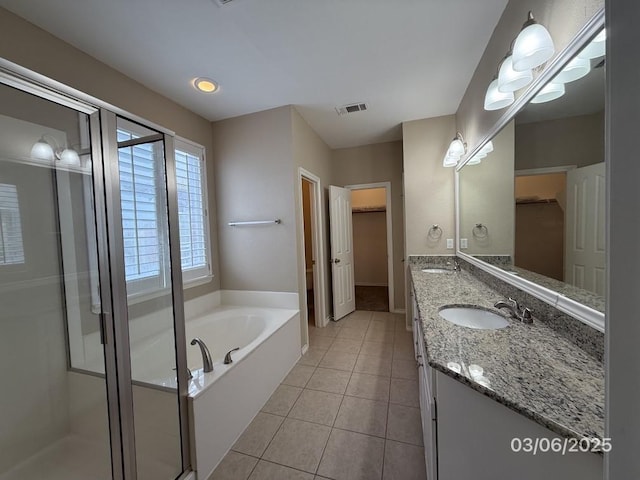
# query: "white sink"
435,270
473,317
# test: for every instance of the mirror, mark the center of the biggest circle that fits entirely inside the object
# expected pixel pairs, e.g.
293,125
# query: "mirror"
534,206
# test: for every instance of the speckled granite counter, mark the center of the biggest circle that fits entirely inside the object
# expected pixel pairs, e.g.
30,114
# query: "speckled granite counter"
529,368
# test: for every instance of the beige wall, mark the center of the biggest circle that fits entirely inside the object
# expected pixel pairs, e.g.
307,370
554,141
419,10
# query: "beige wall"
311,153
428,186
575,140
369,198
31,47
253,161
486,196
370,248
563,19
552,186
380,162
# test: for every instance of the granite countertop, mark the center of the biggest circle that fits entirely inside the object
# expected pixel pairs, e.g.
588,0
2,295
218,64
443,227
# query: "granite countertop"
529,368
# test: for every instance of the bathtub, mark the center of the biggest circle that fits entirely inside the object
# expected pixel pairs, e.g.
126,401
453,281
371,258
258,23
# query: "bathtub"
223,402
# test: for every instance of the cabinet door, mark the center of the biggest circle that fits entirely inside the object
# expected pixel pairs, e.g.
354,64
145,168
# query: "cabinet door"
427,412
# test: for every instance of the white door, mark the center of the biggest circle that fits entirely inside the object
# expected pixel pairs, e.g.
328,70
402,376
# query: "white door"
344,293
585,224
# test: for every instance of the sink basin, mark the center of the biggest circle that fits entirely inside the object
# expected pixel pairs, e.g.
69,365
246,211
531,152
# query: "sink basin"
435,270
473,317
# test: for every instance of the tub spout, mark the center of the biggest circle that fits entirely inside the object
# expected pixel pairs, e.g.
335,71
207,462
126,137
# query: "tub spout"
206,355
227,357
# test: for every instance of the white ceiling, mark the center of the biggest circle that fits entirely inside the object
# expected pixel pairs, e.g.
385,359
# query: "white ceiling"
407,59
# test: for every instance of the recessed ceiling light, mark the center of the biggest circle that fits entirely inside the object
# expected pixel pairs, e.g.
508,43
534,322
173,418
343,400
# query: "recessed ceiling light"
205,85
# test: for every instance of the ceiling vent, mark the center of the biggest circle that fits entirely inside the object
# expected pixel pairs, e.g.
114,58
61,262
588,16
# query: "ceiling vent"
222,3
351,108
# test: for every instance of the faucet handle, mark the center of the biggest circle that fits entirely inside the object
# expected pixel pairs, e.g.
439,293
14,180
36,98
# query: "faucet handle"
527,316
515,304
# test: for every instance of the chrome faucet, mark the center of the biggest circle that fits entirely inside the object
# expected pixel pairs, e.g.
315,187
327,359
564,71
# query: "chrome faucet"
524,315
456,265
227,357
206,354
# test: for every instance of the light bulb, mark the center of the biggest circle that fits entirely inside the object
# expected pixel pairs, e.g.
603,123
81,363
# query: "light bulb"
532,47
509,80
495,100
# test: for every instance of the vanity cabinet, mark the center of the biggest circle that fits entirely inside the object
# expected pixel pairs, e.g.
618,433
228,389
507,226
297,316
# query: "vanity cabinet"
468,435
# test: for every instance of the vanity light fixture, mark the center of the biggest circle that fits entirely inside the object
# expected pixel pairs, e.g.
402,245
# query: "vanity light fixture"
575,69
43,150
596,48
549,92
484,151
533,46
495,99
205,85
509,80
457,148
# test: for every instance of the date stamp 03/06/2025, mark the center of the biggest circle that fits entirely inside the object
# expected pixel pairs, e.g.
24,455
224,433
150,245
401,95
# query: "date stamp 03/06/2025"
562,446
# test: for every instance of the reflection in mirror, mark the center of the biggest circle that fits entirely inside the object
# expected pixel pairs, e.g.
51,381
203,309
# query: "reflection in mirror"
535,206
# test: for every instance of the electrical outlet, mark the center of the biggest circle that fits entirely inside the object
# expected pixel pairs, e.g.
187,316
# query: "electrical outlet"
464,243
450,243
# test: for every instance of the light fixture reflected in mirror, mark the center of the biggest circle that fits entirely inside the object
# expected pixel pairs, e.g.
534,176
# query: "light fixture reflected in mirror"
596,48
495,99
533,46
457,148
551,91
575,69
43,150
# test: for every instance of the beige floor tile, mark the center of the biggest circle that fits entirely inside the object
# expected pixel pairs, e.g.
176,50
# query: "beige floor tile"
383,317
372,387
377,335
271,471
407,369
404,424
282,400
363,416
329,380
403,352
346,345
299,375
256,437
352,456
353,333
403,462
328,331
373,365
313,357
320,341
377,349
298,444
357,322
404,392
315,406
234,466
339,361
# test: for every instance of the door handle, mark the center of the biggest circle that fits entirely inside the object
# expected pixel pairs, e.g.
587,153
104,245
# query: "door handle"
337,260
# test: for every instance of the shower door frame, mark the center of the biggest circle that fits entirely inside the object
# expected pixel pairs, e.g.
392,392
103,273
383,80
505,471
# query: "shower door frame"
107,210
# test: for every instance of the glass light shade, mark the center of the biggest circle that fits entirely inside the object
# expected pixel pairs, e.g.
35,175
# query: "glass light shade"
456,148
596,48
495,99
488,148
509,80
475,160
575,69
549,92
450,161
532,48
70,157
41,150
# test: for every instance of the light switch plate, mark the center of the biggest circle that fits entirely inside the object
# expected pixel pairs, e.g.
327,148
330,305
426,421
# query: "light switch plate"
450,243
464,243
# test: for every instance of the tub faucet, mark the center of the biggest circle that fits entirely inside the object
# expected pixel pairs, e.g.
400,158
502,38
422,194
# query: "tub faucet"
206,354
227,357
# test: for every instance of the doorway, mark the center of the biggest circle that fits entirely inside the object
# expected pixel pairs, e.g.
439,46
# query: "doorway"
372,246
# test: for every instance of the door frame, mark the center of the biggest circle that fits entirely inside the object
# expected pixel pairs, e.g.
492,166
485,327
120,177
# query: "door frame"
317,249
389,219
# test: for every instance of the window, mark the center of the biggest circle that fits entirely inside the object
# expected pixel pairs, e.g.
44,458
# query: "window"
11,246
144,220
192,210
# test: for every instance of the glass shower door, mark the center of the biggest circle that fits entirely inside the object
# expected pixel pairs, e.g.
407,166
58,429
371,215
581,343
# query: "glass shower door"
54,413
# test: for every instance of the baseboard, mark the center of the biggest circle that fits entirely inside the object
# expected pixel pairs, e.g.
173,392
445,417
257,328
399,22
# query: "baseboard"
305,348
365,284
398,310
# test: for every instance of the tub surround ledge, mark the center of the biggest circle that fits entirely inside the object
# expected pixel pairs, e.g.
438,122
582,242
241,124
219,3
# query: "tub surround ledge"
534,370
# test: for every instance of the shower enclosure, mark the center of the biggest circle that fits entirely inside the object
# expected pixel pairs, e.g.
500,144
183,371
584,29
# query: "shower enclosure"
89,273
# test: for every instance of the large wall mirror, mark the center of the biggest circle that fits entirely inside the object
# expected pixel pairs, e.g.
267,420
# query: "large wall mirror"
534,206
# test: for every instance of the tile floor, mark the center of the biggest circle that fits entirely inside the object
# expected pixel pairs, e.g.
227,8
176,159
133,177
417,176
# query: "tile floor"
347,410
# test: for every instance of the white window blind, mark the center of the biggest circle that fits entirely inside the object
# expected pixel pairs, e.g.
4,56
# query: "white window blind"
139,202
192,210
11,245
